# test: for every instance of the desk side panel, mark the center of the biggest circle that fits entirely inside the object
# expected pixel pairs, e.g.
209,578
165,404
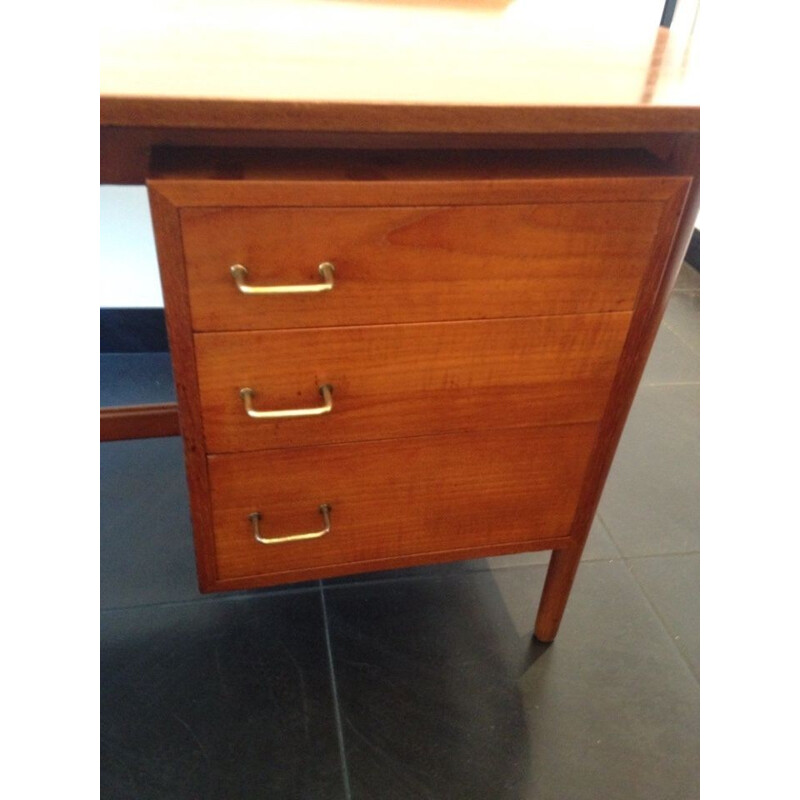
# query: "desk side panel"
169,247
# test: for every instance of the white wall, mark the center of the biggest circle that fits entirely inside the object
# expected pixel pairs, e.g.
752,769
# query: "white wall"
128,264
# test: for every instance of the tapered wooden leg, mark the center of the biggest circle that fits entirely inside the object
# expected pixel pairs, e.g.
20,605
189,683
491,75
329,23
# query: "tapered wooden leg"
557,585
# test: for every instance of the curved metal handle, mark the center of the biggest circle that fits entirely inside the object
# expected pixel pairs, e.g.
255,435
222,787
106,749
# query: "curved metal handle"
326,270
326,391
255,518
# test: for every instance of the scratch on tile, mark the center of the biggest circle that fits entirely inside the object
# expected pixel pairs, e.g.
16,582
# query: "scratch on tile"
193,735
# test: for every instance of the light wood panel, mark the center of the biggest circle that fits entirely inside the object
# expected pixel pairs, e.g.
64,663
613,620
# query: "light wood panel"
397,498
521,66
408,380
415,264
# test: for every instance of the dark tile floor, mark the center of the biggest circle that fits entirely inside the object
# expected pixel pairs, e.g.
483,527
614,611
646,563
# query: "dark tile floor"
420,683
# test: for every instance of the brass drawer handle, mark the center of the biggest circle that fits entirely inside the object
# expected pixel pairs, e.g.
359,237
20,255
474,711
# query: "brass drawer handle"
326,391
326,270
255,518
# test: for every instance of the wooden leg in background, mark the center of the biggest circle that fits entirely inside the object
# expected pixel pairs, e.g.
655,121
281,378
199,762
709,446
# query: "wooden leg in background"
557,585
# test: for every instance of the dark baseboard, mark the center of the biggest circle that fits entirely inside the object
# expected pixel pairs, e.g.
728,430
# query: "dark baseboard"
133,330
693,253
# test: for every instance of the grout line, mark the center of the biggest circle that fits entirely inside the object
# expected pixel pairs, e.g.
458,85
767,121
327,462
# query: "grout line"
685,290
661,620
605,527
608,531
675,383
334,690
662,555
348,582
625,560
245,594
682,340
675,331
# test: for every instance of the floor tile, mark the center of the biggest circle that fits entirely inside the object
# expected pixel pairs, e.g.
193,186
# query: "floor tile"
146,544
672,584
598,547
688,279
146,547
671,360
444,695
135,378
682,317
218,700
651,500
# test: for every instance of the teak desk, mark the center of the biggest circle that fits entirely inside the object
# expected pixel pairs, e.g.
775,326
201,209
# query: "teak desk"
410,289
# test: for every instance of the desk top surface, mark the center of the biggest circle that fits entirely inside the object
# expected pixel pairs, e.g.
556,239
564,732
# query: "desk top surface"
477,66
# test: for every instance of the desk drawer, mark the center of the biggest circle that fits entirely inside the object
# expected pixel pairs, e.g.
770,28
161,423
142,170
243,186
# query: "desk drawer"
406,380
415,264
395,498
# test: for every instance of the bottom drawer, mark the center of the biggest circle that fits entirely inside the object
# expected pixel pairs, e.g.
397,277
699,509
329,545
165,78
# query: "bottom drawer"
395,498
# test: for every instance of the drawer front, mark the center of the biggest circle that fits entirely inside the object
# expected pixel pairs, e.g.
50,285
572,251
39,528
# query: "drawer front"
415,264
392,499
406,380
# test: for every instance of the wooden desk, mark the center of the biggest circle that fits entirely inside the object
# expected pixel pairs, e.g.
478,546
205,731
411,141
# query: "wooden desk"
506,195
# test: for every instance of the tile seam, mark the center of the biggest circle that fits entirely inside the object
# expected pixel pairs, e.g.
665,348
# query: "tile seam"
334,690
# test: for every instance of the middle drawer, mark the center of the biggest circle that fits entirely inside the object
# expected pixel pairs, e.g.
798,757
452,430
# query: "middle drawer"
406,380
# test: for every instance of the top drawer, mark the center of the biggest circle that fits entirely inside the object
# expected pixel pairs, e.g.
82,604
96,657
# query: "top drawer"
417,263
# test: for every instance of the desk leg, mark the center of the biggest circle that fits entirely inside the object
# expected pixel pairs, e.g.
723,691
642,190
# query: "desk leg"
557,585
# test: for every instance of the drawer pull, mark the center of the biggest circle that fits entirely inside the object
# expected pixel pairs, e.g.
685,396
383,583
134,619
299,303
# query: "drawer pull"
326,391
255,518
326,270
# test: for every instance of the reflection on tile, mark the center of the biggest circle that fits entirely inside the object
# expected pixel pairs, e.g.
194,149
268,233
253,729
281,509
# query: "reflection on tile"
146,544
672,584
218,700
651,501
146,548
444,695
128,379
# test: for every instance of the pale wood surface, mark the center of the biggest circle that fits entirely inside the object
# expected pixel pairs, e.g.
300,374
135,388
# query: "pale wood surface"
397,498
384,65
407,380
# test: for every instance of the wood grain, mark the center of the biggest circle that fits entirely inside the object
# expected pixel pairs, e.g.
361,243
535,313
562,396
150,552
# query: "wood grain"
407,380
166,226
397,498
665,262
579,463
396,265
311,571
138,422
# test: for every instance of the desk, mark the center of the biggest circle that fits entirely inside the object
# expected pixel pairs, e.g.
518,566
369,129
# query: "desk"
261,106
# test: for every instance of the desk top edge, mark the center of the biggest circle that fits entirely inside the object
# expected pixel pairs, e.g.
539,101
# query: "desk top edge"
118,111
